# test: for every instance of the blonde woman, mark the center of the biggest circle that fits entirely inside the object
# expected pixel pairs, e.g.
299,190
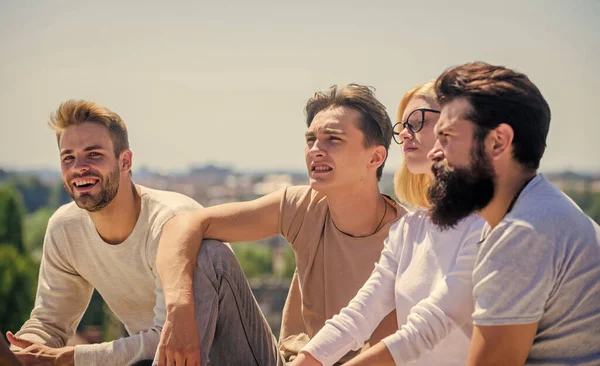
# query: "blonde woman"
423,273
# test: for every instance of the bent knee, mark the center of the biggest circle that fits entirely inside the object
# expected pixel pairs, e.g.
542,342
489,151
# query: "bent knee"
213,246
213,252
215,259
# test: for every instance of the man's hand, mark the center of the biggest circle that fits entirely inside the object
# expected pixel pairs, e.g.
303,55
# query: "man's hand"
306,359
37,354
179,341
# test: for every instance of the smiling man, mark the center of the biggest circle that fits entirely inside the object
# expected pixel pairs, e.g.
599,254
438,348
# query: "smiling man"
107,239
336,226
537,276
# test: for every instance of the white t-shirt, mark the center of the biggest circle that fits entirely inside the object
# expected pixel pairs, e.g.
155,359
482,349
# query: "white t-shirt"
426,275
76,260
541,263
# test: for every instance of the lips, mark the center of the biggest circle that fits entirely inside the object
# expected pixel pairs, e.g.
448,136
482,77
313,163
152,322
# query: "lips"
84,183
408,149
320,168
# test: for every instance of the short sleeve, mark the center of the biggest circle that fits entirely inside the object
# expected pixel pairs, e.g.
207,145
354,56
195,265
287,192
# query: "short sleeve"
295,204
513,276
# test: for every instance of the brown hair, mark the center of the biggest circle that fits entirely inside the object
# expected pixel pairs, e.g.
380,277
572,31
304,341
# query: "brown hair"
375,124
75,112
500,95
412,188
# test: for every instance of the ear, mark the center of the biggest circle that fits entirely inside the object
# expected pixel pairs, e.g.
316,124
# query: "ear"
501,140
125,161
378,156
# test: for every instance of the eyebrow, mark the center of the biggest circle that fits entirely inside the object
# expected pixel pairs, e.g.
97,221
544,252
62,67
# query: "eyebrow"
328,131
88,148
443,130
333,131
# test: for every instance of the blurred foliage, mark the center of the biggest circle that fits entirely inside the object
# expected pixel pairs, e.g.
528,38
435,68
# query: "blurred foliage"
18,282
94,314
11,217
35,193
112,328
99,315
290,262
58,196
256,259
35,225
18,273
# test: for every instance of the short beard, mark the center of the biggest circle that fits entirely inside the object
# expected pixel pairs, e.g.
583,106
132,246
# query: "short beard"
458,192
108,191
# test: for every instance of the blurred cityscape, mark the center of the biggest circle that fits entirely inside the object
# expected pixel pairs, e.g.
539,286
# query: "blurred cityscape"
28,199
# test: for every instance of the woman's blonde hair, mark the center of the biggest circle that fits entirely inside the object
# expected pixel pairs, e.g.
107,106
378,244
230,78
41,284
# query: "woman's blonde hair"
410,188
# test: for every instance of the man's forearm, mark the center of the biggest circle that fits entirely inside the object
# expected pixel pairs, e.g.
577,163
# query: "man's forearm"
177,282
182,236
501,344
378,355
176,258
306,359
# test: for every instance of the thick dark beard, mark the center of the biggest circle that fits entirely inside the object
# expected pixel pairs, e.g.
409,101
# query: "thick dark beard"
458,192
108,191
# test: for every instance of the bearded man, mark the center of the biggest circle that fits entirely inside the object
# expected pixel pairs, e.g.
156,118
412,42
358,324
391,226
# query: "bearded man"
536,280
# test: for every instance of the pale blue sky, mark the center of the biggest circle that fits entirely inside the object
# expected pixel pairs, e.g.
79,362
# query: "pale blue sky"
226,82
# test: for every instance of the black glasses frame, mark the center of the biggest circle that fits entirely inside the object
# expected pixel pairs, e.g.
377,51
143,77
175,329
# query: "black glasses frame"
411,128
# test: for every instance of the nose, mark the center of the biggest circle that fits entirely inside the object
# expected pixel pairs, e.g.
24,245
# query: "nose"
436,153
406,134
81,166
316,150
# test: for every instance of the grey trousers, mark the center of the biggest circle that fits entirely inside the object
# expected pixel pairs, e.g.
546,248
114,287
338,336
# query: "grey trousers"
233,330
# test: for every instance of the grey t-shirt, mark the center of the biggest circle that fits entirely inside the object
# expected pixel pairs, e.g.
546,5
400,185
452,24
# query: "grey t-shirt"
541,263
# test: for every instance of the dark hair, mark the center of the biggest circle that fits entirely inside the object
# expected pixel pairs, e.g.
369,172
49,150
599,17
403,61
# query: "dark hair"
375,124
500,95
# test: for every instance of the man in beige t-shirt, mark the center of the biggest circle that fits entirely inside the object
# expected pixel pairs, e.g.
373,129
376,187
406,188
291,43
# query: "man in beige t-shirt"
331,266
336,226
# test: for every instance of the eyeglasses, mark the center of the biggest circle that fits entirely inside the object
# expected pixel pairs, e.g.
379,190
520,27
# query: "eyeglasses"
414,123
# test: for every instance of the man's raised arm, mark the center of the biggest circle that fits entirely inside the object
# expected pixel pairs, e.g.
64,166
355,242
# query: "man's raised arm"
178,250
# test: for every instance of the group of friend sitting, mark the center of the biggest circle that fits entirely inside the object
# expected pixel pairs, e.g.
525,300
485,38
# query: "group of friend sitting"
483,261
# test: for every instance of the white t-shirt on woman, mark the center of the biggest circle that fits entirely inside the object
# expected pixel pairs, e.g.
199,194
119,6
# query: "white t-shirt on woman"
426,275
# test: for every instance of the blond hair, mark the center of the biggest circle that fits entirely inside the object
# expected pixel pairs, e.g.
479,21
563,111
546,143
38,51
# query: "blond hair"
412,188
75,112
